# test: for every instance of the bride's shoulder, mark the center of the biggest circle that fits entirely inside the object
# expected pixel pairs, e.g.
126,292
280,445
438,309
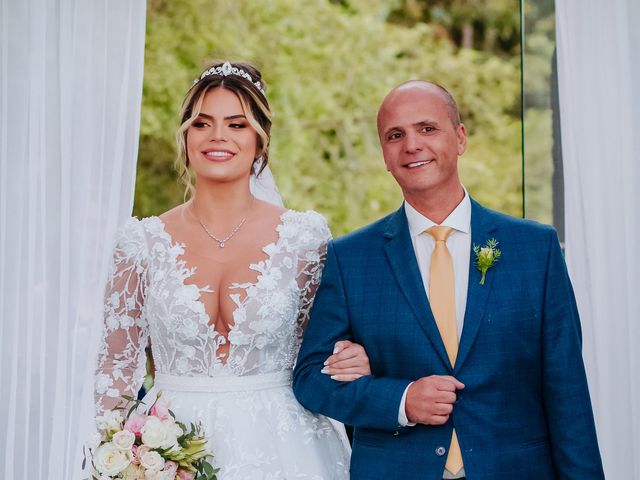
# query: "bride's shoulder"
309,223
135,235
140,228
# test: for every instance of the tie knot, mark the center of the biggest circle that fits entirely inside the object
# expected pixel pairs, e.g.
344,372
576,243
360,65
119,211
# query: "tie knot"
440,233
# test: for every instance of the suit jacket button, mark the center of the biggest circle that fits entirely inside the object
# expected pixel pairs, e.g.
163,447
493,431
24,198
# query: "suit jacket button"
396,433
440,451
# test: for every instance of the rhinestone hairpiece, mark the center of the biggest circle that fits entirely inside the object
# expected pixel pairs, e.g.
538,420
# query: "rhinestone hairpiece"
227,69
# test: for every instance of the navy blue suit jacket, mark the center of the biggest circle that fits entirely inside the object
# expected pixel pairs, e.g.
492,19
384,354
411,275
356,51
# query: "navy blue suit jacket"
525,412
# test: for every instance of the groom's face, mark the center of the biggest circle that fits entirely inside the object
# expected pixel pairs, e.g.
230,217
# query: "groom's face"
419,140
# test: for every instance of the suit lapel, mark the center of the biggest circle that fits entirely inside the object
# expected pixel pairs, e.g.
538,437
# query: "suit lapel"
477,295
402,259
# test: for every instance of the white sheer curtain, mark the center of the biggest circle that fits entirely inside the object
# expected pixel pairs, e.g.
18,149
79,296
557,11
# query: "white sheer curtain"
599,77
70,93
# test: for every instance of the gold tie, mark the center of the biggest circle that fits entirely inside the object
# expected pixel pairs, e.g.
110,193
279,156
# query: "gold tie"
442,298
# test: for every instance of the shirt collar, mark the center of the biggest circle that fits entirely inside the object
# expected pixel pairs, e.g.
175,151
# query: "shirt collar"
459,219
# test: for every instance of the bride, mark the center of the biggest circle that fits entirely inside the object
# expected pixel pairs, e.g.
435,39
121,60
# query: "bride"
221,287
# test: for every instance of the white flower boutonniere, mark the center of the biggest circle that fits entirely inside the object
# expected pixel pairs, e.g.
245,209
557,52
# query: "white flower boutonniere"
486,257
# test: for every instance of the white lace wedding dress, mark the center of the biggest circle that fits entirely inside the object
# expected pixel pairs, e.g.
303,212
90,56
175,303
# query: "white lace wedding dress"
255,426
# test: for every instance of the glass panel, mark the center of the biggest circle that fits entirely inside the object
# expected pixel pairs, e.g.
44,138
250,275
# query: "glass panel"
543,191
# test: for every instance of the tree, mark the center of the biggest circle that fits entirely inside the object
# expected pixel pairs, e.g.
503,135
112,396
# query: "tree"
327,66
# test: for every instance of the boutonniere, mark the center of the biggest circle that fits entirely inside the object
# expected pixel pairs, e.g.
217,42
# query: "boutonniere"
486,257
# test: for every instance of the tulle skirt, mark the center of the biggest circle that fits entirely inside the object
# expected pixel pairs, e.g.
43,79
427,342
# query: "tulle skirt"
256,429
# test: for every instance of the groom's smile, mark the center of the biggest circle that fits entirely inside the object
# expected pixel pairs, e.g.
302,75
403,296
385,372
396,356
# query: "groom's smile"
418,164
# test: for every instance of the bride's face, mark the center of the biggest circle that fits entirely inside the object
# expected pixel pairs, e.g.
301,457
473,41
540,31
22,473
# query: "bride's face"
221,143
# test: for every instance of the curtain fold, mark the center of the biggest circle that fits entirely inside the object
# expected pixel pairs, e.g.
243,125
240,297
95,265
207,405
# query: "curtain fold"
70,95
599,81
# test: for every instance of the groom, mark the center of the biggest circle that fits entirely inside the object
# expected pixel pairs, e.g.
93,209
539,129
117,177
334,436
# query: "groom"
473,375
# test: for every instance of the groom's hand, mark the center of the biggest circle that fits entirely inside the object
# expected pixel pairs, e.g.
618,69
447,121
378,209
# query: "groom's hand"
430,399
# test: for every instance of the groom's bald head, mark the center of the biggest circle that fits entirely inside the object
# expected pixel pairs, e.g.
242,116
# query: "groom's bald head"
420,87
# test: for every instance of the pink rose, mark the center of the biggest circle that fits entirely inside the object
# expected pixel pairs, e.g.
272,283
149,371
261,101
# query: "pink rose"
160,409
171,467
184,475
135,423
134,455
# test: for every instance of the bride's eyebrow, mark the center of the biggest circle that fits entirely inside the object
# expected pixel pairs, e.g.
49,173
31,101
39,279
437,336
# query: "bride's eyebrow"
230,117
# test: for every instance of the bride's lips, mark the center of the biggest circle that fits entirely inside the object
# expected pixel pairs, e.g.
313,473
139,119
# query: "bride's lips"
218,154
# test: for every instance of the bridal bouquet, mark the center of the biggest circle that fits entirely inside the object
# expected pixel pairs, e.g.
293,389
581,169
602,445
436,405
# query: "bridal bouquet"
148,445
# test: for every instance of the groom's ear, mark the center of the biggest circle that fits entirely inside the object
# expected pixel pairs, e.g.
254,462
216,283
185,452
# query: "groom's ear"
461,134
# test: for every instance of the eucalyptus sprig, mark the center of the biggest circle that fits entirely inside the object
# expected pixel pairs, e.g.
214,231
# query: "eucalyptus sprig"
486,257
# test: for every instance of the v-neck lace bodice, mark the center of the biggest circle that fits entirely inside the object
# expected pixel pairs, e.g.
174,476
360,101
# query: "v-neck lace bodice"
148,298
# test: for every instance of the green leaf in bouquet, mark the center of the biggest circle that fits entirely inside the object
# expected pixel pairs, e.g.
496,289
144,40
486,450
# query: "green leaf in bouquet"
210,472
133,407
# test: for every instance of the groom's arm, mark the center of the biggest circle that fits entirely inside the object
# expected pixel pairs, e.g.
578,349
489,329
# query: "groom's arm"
367,402
574,445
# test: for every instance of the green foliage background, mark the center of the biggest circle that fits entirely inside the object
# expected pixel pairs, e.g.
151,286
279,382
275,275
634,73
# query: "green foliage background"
327,66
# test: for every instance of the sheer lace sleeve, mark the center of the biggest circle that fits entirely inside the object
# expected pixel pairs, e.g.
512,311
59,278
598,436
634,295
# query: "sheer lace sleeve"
311,260
121,356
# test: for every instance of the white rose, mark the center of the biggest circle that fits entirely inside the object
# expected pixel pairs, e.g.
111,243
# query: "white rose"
133,472
152,461
153,433
111,461
123,440
165,475
142,449
160,434
172,432
111,420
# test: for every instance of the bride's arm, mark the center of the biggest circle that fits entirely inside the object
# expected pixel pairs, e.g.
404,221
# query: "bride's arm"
349,360
121,356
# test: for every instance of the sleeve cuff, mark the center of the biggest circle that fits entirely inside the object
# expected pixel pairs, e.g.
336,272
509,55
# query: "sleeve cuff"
403,421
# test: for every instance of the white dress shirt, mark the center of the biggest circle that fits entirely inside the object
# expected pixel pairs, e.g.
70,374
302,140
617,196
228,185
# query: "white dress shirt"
459,245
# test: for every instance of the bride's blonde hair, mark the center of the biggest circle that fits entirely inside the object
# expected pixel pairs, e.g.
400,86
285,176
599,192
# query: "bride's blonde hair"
254,104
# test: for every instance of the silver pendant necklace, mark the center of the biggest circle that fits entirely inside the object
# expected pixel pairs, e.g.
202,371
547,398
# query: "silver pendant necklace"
222,242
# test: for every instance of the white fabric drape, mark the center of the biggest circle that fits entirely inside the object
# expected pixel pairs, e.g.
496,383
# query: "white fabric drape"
599,79
70,93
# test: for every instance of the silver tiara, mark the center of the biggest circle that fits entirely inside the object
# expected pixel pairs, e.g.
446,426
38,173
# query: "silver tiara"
227,69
